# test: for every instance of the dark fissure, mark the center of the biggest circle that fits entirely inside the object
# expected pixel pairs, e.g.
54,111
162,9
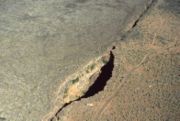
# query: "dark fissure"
99,84
105,75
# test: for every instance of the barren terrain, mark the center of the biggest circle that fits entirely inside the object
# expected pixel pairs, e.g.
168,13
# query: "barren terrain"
89,60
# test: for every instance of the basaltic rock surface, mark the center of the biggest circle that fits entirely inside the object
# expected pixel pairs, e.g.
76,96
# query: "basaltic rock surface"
44,41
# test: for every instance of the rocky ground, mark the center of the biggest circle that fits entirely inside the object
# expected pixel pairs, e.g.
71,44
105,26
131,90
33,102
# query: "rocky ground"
55,65
44,41
145,82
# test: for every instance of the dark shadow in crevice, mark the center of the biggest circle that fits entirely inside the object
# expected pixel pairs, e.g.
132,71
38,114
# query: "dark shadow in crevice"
100,82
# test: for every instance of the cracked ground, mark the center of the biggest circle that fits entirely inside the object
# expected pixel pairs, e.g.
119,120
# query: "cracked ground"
145,82
89,60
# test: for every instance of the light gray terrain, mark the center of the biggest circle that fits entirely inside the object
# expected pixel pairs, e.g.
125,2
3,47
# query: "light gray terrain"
43,41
